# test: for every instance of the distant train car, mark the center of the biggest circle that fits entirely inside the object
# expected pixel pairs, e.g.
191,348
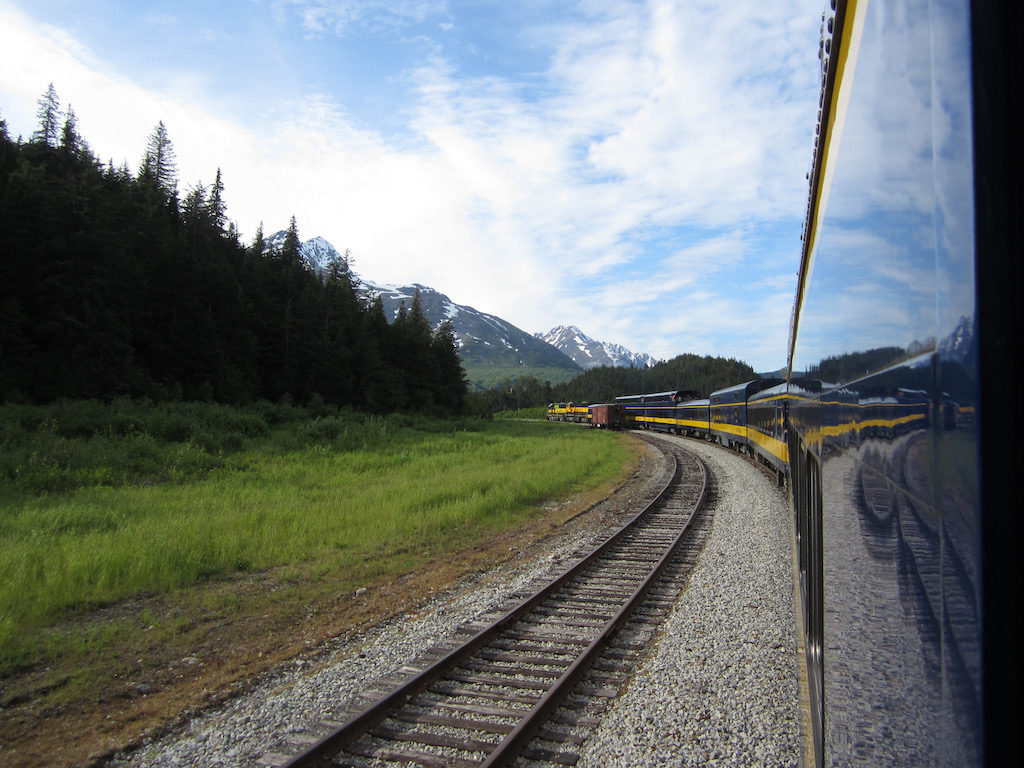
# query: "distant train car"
767,420
907,531
693,415
727,412
660,411
608,416
578,413
681,412
557,411
632,408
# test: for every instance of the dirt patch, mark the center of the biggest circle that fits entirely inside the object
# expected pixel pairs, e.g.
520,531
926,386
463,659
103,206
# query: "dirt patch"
186,661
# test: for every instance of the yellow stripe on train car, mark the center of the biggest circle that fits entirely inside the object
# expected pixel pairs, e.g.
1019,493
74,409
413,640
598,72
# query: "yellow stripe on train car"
770,444
692,423
732,429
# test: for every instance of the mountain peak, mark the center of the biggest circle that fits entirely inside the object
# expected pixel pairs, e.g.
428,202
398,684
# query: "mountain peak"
486,342
588,353
317,253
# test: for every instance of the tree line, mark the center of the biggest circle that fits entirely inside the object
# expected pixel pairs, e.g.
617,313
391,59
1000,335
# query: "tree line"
702,374
112,285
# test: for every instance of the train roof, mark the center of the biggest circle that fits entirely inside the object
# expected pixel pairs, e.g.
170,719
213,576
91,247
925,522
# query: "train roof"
794,386
746,389
773,391
680,395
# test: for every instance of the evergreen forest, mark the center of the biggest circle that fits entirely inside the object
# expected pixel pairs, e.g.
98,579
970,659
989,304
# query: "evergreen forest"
112,285
702,374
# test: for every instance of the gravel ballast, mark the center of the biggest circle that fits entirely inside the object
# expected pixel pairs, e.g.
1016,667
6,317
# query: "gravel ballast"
718,686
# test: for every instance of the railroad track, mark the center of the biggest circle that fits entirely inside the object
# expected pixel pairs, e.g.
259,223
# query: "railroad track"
531,681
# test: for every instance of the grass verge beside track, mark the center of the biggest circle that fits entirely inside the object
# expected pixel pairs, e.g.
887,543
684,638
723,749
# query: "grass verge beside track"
136,541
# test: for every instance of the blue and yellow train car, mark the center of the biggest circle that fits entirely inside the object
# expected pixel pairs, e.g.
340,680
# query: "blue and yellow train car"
692,417
767,421
660,411
727,411
906,526
681,412
632,409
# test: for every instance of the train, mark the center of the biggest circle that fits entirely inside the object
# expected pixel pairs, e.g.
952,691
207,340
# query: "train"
752,417
895,426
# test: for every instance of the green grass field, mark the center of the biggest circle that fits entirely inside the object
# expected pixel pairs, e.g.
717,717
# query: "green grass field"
102,503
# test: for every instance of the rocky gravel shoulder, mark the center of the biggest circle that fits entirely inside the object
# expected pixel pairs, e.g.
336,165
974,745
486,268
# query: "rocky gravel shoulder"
719,686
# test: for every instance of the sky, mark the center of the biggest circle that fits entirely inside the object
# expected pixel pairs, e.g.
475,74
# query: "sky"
637,169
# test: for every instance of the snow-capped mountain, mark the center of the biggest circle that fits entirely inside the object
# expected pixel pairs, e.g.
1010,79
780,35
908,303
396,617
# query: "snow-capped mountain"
959,344
491,349
587,353
484,340
317,252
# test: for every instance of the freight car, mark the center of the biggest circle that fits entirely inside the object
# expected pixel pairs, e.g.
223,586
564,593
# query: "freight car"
608,416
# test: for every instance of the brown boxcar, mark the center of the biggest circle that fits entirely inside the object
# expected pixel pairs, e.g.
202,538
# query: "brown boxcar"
608,416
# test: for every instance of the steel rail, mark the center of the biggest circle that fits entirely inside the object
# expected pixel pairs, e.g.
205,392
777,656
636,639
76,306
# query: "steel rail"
506,750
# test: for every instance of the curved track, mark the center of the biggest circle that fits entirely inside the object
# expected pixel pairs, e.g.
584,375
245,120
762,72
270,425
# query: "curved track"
481,703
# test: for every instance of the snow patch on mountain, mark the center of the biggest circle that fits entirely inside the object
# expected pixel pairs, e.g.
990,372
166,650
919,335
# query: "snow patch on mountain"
317,253
588,353
483,339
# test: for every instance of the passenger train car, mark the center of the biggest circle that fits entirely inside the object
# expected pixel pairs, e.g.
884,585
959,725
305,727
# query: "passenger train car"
908,529
898,430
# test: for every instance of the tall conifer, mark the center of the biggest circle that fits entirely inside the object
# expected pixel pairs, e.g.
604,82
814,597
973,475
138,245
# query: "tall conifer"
49,117
159,163
215,206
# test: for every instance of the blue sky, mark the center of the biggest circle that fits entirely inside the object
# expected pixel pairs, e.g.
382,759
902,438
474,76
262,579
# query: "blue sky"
633,168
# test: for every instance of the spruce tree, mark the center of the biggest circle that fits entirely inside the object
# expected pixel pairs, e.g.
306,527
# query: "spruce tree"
159,164
290,247
451,387
215,207
49,118
71,143
258,243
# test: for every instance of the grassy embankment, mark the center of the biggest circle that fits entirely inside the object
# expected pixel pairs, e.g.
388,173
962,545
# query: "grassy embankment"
108,505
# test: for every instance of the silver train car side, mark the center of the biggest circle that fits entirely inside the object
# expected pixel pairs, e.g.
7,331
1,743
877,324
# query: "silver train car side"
903,461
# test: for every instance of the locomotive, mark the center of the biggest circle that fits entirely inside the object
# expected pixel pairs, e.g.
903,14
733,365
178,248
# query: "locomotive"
893,429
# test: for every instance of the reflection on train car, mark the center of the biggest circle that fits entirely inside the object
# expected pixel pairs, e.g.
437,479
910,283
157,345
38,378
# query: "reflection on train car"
898,613
767,423
728,413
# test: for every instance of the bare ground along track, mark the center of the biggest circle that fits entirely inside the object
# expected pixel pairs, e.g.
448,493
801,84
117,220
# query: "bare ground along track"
530,681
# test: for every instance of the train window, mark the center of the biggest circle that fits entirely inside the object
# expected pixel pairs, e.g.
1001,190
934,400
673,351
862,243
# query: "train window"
814,598
805,482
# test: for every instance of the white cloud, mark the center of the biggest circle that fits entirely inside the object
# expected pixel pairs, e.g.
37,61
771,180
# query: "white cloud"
640,159
336,16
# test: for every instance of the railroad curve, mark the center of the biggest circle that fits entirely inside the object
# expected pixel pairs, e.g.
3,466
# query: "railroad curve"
518,685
